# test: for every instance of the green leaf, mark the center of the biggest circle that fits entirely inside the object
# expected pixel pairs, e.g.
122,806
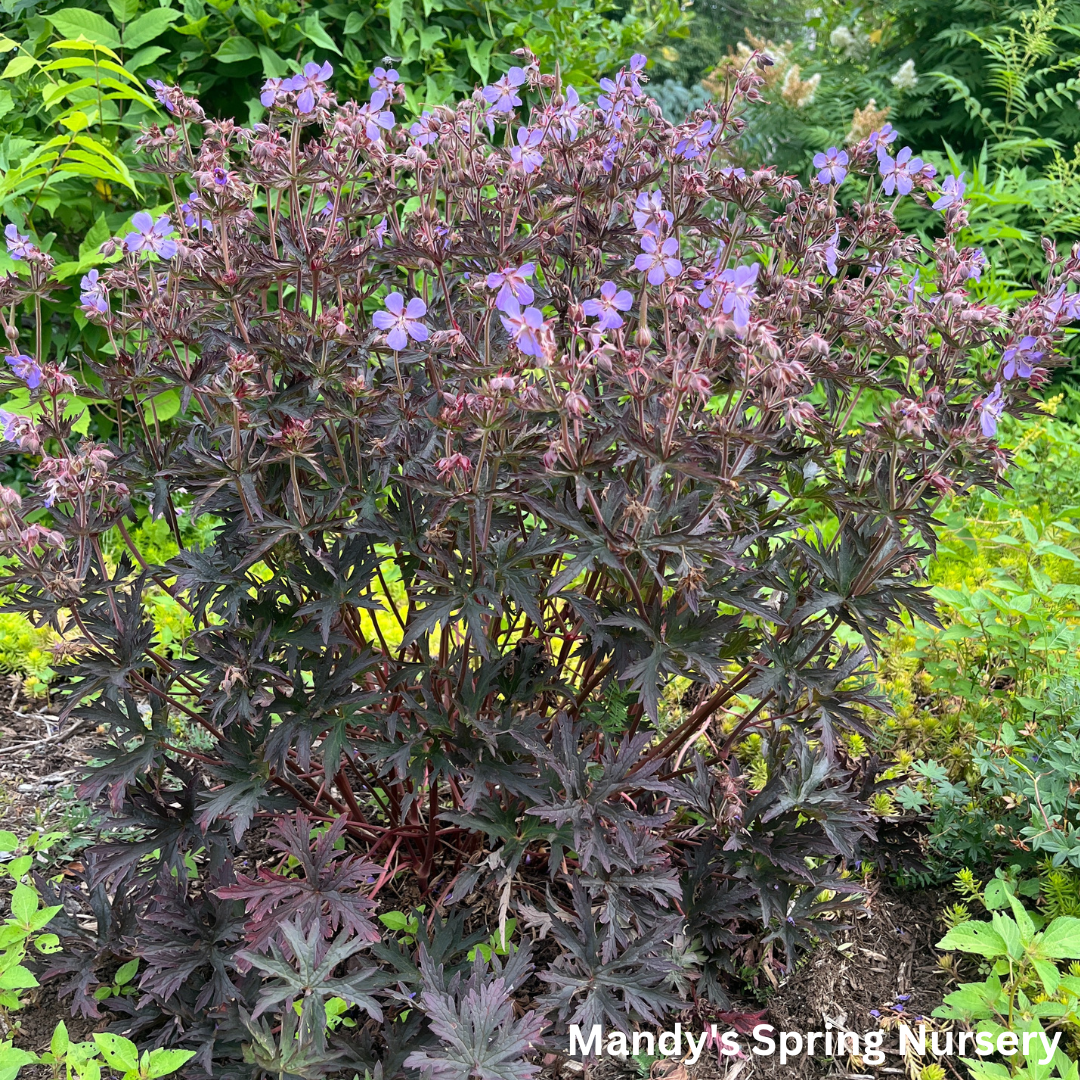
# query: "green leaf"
8,840
126,972
16,66
18,978
24,903
1061,939
235,49
97,234
480,57
313,30
162,1062
124,10
396,13
164,406
1048,975
274,66
974,937
146,56
78,22
58,1045
119,1053
356,22
149,26
12,1059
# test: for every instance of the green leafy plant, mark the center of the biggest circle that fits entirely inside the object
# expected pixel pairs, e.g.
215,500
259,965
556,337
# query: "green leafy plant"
1025,990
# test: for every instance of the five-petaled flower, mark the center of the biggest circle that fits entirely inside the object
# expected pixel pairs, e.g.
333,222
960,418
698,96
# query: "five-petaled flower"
883,137
990,410
571,114
898,176
94,297
831,166
526,153
739,292
1020,359
26,368
527,328
150,235
502,95
161,92
512,285
383,79
952,192
426,130
19,247
374,117
402,321
650,215
310,86
658,261
608,304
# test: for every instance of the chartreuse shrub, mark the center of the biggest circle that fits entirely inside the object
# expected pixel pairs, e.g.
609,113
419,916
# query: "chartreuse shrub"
986,704
513,423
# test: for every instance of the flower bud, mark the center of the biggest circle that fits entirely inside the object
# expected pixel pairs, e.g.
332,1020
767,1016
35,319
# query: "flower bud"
643,337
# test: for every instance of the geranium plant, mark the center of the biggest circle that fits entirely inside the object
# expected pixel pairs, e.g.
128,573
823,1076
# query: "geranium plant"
565,477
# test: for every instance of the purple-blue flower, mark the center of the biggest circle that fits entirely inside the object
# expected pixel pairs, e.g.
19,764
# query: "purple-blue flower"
993,405
525,327
526,153
613,147
975,262
898,175
19,247
161,92
272,90
380,232
691,146
1061,305
193,219
831,166
383,79
94,296
571,114
374,117
502,95
402,322
608,304
310,83
732,172
151,235
883,137
426,130
658,261
1020,359
221,177
739,293
650,215
832,250
25,368
513,287
952,192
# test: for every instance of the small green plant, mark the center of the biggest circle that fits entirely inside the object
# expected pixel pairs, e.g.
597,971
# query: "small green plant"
122,984
500,946
1025,989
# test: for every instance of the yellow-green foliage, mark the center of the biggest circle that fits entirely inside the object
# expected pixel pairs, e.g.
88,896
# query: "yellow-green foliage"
26,650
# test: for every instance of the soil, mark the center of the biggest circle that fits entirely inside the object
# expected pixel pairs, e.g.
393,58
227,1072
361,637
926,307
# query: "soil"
34,773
